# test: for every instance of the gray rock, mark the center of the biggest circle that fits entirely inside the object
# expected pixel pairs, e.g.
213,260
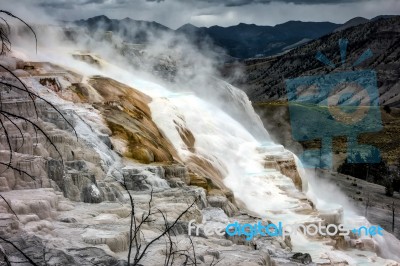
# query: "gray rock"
223,203
304,258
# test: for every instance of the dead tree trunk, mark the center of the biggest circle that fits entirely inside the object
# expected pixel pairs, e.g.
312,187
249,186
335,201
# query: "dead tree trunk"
393,211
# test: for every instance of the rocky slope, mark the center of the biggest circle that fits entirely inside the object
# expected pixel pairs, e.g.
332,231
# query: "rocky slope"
369,198
352,23
118,135
79,214
264,78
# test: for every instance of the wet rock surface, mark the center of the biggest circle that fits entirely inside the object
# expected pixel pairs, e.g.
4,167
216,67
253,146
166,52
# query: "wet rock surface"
77,211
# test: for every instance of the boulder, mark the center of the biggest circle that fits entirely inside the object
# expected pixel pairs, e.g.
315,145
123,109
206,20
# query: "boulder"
304,258
218,199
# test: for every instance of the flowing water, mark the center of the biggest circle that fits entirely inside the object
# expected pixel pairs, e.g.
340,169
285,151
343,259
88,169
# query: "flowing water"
237,153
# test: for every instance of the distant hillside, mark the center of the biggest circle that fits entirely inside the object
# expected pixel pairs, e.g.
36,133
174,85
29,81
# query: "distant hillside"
352,23
135,31
263,78
240,41
250,40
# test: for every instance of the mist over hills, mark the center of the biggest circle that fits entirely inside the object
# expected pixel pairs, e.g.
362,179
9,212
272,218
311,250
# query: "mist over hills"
240,41
267,55
270,54
136,31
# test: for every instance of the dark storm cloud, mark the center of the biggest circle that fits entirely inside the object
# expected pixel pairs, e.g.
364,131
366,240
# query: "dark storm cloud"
68,4
230,3
175,13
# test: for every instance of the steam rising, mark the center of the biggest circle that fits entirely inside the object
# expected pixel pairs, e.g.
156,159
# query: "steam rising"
186,91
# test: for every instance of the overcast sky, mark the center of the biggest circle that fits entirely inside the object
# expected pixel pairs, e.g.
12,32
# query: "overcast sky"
175,13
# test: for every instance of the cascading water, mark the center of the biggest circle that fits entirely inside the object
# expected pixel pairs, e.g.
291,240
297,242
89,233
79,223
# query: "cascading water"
235,151
240,155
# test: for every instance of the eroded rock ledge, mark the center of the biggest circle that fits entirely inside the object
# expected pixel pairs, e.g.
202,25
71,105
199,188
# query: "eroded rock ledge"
76,212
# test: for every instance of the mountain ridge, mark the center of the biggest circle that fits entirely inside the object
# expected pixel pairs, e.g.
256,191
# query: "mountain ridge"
263,78
240,41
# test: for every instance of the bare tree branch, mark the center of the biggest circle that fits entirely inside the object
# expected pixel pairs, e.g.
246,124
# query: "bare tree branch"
6,115
19,250
165,231
135,231
9,206
26,24
41,98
